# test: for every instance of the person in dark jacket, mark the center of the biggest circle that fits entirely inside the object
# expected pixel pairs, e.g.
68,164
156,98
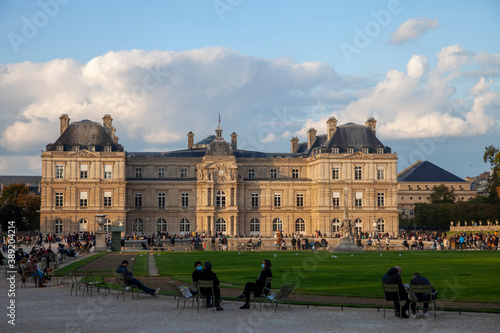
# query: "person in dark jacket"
258,286
130,280
422,281
208,275
393,276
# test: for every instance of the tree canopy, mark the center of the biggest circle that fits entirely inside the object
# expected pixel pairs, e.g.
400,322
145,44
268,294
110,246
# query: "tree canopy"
19,205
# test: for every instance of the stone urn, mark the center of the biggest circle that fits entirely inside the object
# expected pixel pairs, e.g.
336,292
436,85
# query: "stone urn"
101,220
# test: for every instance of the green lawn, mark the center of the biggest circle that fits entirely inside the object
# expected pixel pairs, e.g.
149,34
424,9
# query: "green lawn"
459,276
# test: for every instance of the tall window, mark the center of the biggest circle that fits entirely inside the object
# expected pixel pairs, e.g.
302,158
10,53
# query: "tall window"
380,199
161,225
300,200
58,227
254,225
358,225
295,173
300,225
277,199
184,225
220,199
251,173
381,225
84,171
336,199
358,173
107,171
161,173
138,172
83,199
274,173
184,173
107,226
138,225
277,224
336,173
358,201
107,199
255,199
380,173
59,171
138,199
220,225
335,226
185,199
59,199
161,199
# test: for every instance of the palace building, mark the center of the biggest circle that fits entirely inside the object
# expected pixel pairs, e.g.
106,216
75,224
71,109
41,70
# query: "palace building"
212,186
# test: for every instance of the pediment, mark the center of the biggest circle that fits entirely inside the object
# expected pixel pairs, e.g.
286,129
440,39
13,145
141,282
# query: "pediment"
360,155
84,153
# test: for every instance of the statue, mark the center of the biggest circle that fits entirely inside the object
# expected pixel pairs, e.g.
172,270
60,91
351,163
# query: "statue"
279,238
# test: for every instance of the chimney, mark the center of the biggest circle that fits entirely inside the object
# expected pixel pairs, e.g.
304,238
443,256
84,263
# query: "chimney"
372,123
311,137
234,141
331,125
64,121
190,140
295,144
106,121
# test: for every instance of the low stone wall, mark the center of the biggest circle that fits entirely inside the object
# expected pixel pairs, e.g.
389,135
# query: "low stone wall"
478,228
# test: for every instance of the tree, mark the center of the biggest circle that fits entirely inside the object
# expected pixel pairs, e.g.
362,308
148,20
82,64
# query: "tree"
19,205
492,156
442,194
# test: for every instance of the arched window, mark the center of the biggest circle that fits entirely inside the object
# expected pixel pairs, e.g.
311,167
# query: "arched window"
300,225
138,225
107,226
381,225
277,224
254,225
358,225
220,199
83,225
220,225
185,225
58,227
335,226
161,225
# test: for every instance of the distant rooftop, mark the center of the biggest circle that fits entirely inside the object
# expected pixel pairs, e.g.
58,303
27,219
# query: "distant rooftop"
425,171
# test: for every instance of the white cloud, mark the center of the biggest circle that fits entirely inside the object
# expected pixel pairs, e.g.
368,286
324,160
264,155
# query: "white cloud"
412,29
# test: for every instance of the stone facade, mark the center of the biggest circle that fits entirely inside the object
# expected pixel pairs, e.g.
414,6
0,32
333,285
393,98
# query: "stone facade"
212,186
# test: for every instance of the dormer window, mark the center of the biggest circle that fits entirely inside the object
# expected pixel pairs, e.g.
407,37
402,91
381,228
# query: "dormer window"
107,149
335,150
365,150
76,148
350,150
60,148
380,150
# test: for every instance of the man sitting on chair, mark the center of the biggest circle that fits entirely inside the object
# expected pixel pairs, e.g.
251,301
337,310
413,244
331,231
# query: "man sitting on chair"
208,275
422,281
130,280
393,277
258,286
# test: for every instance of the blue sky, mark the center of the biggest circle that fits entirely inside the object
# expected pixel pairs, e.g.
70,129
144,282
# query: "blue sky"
424,69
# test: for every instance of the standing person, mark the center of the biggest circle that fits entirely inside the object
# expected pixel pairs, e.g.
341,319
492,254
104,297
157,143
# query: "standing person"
208,275
294,242
422,281
172,242
393,276
132,281
258,286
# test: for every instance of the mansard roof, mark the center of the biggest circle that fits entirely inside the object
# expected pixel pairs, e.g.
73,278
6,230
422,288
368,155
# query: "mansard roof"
346,136
85,134
425,171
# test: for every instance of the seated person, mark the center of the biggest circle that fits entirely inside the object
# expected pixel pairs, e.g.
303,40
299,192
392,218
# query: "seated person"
420,245
208,275
406,245
369,242
130,280
414,245
393,276
258,286
31,269
422,281
198,268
